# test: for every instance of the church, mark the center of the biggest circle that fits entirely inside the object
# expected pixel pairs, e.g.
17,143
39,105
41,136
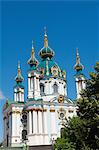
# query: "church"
39,119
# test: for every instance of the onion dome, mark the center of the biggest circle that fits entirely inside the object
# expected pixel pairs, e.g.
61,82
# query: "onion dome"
33,61
78,66
19,77
46,51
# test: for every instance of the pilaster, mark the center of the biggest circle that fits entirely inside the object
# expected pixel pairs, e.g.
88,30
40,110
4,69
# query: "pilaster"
30,123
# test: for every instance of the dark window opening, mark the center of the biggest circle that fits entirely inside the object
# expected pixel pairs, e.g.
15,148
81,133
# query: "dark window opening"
41,89
55,88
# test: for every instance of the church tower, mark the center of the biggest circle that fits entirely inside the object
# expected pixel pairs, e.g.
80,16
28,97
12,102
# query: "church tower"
33,77
53,78
19,88
79,76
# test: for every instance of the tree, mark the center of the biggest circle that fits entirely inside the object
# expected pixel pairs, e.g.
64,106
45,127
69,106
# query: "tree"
63,144
89,109
82,132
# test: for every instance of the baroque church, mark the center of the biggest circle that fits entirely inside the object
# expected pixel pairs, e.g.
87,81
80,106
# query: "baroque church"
39,119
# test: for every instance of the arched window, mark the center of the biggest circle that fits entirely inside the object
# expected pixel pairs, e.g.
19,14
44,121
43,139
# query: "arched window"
41,89
55,88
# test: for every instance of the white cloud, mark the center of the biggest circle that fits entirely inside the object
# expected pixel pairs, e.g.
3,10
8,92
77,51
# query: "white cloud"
1,95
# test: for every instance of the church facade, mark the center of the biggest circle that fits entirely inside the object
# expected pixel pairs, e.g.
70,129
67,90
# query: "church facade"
39,119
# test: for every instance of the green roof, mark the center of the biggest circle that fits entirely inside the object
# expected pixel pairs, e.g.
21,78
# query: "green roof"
19,84
48,64
46,52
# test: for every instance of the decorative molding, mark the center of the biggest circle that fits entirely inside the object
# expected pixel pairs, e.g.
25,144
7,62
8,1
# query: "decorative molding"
36,109
54,71
61,99
52,110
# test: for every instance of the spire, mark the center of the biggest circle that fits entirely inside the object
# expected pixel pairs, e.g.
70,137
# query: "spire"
45,31
33,61
32,53
19,77
46,51
45,38
78,66
19,70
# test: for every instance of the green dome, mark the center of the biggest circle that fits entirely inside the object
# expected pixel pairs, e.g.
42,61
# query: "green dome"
19,77
32,61
50,64
46,52
46,66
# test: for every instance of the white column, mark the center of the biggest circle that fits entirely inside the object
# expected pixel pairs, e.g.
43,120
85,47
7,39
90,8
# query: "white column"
77,89
17,127
61,89
14,96
13,124
32,120
20,96
35,87
17,96
32,116
50,88
35,121
32,86
40,121
28,84
46,88
45,122
23,96
36,83
30,123
53,123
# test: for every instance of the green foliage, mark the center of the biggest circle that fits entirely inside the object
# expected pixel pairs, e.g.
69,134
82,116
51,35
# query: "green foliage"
89,109
63,144
82,132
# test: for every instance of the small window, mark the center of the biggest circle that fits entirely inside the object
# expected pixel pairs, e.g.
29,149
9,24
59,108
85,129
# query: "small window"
55,88
41,89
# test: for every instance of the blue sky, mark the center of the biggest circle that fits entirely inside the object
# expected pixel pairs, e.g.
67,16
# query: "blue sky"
70,24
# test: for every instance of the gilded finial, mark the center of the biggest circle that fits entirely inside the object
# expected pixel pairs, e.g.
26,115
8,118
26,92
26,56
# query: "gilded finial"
32,54
19,77
45,38
19,70
78,66
77,56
